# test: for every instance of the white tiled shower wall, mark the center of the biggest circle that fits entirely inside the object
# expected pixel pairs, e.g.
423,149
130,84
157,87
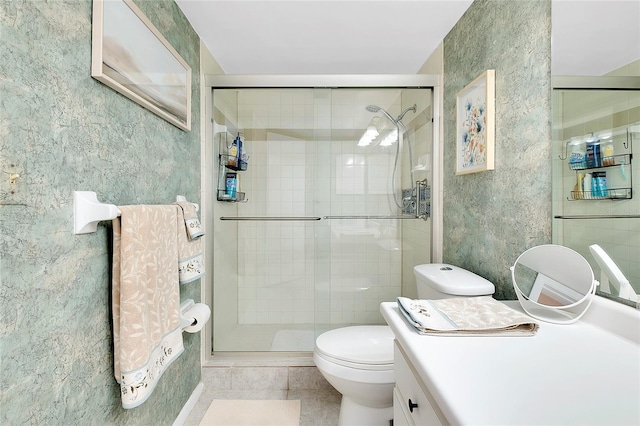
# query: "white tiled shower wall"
277,260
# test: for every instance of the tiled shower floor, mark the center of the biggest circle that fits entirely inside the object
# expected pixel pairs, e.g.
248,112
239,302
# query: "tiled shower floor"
319,401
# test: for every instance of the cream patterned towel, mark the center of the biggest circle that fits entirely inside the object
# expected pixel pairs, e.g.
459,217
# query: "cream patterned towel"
194,228
476,316
146,299
190,258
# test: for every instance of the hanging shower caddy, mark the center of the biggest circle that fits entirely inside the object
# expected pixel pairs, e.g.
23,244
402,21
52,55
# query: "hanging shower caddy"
229,167
622,162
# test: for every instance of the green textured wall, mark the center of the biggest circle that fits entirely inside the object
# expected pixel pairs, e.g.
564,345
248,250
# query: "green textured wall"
64,131
492,217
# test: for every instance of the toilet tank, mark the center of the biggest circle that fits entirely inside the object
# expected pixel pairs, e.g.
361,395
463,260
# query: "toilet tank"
440,281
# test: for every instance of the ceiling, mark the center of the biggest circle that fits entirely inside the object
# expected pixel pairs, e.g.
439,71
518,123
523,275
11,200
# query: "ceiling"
590,37
594,37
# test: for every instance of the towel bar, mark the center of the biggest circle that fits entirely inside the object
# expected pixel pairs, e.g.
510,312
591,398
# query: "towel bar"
88,211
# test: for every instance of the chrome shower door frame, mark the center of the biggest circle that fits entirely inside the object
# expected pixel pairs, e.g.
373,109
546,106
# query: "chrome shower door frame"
373,81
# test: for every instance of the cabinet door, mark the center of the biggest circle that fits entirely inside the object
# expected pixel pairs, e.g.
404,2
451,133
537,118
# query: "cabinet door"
413,391
400,417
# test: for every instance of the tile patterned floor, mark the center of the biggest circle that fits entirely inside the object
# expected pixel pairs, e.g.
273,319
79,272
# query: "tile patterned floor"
319,401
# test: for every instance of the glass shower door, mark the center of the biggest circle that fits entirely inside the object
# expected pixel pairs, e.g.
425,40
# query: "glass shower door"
264,281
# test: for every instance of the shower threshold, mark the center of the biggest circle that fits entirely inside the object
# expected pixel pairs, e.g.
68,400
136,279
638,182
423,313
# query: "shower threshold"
268,345
260,359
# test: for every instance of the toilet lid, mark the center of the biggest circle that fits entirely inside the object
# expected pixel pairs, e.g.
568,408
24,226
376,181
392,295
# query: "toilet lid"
367,344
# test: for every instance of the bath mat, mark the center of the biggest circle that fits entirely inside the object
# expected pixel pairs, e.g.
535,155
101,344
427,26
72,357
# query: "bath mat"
242,412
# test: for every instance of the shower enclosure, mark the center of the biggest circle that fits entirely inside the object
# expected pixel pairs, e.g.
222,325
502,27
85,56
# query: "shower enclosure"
603,111
329,217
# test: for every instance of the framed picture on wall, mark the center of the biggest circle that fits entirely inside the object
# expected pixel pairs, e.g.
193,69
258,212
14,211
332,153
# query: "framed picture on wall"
129,54
475,125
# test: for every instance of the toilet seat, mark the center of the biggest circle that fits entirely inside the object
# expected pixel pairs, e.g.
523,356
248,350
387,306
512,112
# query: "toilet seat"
358,347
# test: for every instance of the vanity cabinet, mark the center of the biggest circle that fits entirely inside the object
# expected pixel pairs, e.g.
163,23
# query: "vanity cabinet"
556,379
412,403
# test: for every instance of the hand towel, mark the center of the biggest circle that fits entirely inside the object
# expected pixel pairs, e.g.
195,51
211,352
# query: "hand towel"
190,259
194,228
476,316
146,299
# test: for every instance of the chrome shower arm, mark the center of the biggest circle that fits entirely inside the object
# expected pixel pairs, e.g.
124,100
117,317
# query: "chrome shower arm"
414,108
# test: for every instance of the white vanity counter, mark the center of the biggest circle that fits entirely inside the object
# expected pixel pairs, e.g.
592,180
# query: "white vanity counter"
565,374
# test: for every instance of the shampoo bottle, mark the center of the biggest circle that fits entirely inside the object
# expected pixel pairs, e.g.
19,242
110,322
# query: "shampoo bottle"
232,158
607,154
599,183
238,142
586,187
594,158
602,185
578,195
231,185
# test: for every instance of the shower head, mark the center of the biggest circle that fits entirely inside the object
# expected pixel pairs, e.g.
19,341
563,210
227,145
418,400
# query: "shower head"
376,108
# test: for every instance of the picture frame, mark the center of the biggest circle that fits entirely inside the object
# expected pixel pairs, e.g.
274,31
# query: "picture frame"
475,125
131,56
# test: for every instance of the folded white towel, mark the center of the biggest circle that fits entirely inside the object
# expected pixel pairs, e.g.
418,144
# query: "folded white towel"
477,316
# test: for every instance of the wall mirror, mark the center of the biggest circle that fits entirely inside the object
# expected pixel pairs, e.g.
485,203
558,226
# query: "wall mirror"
596,104
553,283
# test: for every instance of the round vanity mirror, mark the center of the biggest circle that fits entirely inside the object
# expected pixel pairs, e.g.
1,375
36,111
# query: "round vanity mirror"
553,283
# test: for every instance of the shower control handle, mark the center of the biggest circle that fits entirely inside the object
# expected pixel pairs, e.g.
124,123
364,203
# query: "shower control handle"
412,405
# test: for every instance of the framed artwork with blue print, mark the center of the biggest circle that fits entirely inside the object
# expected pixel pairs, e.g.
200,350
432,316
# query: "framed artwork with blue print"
475,125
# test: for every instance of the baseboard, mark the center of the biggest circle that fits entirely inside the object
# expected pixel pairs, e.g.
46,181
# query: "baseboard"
188,406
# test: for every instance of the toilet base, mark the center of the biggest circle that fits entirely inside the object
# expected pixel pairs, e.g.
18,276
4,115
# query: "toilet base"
354,414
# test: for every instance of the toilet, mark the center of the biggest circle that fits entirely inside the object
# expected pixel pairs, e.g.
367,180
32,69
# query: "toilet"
358,360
